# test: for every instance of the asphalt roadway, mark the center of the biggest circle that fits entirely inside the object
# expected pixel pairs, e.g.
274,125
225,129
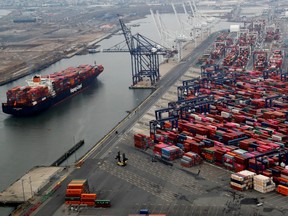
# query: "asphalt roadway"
170,190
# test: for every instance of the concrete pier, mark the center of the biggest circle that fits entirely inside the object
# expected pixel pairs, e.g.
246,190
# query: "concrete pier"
28,185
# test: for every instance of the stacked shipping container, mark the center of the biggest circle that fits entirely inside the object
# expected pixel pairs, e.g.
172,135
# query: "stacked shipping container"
190,159
263,184
77,193
242,180
245,128
141,141
233,134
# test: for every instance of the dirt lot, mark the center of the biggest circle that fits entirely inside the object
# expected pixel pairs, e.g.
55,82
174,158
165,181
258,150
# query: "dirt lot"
29,46
29,55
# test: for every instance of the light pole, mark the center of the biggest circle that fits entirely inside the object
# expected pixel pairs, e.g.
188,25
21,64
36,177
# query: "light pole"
23,189
30,186
73,146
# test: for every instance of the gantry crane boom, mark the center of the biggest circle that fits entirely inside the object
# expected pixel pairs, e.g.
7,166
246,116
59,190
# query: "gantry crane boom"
127,34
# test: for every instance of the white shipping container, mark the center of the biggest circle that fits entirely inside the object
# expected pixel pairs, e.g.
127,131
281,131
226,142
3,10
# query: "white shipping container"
193,115
185,161
247,173
237,125
254,80
210,119
232,96
264,190
262,178
235,110
238,185
241,92
237,177
186,158
275,137
230,107
284,176
189,137
212,107
249,123
225,114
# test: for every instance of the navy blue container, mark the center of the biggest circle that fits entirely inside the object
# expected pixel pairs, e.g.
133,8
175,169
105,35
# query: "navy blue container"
144,211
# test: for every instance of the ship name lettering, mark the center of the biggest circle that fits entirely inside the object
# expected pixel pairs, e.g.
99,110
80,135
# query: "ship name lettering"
72,90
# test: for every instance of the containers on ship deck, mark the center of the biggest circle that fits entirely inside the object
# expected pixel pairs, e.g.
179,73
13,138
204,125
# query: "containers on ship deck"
62,80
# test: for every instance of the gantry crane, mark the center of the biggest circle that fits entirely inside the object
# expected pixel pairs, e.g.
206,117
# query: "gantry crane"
144,55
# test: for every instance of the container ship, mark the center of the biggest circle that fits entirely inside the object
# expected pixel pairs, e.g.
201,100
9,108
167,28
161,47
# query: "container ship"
42,92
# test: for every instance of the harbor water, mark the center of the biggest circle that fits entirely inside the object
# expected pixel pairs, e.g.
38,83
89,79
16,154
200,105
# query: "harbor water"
4,12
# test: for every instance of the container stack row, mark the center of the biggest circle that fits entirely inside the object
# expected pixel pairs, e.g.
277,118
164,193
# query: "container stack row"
234,119
220,44
141,141
167,152
71,76
190,159
263,184
242,180
26,94
77,193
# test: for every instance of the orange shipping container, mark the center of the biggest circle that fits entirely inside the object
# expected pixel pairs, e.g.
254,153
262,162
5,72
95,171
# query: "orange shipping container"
88,203
75,186
88,196
78,182
282,190
74,191
72,202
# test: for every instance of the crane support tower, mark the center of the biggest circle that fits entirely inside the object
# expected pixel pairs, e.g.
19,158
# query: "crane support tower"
144,55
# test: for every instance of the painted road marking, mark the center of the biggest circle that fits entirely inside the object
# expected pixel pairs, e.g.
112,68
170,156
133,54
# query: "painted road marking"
276,201
141,183
217,210
185,209
168,210
199,210
174,209
153,209
166,175
274,195
161,208
284,202
192,209
210,208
